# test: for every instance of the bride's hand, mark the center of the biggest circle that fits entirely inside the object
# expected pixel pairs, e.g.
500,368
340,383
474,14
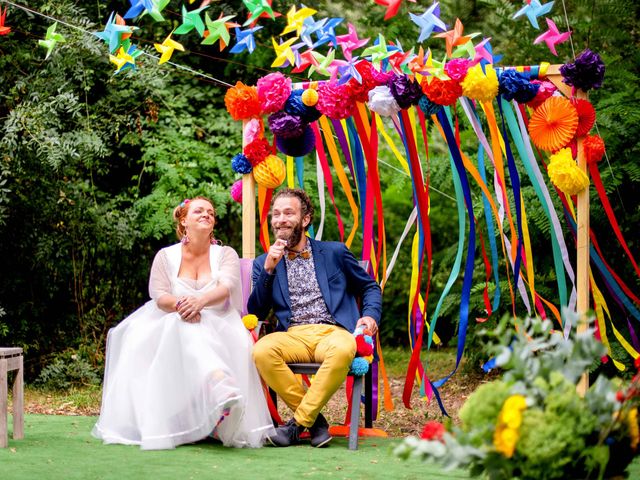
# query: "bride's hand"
189,309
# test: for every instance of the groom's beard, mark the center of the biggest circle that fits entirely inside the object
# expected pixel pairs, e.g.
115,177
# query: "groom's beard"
292,237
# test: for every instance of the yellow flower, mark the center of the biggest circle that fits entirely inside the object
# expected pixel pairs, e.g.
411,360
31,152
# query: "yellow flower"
505,440
250,321
565,173
515,402
511,418
506,435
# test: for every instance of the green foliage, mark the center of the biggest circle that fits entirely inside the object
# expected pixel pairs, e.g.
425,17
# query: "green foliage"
66,371
532,423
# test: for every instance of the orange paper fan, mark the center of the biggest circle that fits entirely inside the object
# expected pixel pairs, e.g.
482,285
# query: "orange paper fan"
586,116
553,124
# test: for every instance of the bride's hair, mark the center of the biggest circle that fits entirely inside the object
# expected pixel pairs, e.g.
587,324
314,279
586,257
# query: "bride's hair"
180,212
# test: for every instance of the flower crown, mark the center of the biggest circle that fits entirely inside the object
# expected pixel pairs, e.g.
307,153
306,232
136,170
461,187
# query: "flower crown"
185,202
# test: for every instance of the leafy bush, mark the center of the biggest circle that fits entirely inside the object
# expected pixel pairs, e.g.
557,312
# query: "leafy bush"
66,371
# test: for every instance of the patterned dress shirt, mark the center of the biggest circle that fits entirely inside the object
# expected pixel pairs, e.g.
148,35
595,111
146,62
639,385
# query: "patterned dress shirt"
307,304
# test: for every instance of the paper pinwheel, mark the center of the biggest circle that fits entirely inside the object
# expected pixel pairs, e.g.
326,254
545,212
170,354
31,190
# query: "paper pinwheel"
4,30
166,49
296,18
454,37
218,30
125,59
416,64
467,49
495,59
284,53
323,63
258,8
399,59
552,36
191,20
348,71
156,11
392,7
481,52
245,40
436,68
428,21
533,10
51,39
326,33
378,52
137,7
350,42
310,27
303,61
115,32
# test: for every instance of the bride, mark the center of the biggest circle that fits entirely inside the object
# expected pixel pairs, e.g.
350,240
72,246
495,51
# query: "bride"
179,368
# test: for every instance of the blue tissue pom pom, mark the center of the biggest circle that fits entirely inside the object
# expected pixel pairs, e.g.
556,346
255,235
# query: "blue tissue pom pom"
368,339
359,366
516,85
241,164
427,106
294,106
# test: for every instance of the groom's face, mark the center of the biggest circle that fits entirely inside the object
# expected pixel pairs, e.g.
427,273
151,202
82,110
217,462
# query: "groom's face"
286,220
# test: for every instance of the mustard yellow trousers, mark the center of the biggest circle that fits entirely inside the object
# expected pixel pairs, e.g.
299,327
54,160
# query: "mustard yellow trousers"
331,345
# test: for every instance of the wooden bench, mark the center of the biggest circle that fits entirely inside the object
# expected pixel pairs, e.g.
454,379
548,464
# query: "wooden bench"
11,359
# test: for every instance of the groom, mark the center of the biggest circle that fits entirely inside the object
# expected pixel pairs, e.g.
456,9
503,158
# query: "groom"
312,288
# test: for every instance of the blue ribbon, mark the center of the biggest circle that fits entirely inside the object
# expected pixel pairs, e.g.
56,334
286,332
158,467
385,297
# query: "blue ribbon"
444,116
490,231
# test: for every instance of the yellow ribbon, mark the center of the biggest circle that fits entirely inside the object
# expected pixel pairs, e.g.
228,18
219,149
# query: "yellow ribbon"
342,176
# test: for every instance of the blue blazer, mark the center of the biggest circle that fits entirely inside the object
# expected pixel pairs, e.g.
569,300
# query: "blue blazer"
341,279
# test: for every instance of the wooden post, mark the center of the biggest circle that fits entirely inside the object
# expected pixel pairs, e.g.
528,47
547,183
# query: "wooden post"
4,434
248,211
582,251
582,222
18,399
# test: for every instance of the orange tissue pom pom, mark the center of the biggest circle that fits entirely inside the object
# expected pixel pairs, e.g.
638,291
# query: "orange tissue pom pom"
242,102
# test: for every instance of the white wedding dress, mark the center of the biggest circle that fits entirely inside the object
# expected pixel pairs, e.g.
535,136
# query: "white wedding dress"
168,382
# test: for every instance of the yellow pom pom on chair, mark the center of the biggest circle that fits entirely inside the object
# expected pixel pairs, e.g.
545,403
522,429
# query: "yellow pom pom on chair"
271,172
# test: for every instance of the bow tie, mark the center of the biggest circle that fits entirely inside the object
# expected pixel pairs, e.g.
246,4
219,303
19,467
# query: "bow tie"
291,255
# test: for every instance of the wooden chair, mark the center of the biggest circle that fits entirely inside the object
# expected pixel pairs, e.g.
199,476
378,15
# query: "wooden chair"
312,368
11,359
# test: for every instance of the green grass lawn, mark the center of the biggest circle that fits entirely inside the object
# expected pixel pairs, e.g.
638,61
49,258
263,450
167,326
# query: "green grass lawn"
61,447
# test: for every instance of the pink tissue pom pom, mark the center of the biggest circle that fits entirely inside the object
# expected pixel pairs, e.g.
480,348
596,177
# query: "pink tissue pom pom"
335,101
236,191
457,68
546,90
252,130
273,91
